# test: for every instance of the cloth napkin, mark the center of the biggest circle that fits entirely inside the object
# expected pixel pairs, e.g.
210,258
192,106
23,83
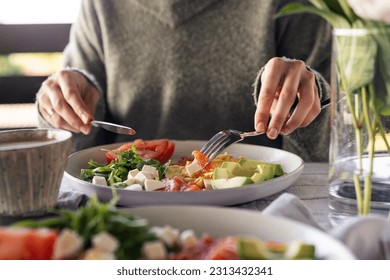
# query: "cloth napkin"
367,237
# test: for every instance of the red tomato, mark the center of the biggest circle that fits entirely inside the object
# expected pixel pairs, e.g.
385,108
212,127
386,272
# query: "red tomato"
160,150
26,244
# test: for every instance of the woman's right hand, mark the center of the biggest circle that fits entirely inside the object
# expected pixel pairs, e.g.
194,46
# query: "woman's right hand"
67,100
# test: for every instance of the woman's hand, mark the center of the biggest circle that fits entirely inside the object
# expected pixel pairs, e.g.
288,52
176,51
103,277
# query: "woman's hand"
68,101
282,82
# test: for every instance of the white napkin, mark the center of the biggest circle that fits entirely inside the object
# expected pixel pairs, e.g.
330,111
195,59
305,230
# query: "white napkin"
367,237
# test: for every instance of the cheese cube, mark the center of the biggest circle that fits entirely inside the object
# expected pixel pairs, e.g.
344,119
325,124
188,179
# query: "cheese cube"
134,187
67,245
99,180
152,170
154,250
168,235
207,184
152,185
188,239
98,254
140,178
193,168
132,173
105,242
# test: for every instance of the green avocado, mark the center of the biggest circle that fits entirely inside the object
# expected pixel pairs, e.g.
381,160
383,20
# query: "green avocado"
220,173
235,169
252,164
268,171
234,182
258,178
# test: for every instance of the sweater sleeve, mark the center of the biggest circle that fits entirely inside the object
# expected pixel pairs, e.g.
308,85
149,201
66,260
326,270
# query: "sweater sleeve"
84,53
307,38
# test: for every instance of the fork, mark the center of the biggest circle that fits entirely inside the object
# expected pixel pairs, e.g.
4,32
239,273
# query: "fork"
227,137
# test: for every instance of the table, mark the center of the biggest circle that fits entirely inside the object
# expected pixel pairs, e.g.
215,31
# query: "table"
311,187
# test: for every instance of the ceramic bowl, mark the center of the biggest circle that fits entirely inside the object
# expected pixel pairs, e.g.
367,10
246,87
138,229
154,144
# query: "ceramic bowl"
32,163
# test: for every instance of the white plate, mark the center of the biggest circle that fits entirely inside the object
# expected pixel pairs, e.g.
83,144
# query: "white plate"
222,221
292,165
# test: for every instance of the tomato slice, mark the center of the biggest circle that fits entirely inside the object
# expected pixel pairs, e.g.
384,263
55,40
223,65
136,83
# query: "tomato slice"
161,149
26,243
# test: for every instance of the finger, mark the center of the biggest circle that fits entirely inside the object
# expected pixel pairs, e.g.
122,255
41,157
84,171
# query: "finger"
71,89
308,107
58,122
286,99
271,79
64,112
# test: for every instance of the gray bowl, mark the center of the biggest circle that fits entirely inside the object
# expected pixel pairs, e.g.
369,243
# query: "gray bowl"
32,163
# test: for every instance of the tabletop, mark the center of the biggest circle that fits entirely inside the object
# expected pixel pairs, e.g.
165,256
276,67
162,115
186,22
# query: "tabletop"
311,187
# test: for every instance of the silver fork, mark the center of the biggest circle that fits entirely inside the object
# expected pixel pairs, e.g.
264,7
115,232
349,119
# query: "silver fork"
227,137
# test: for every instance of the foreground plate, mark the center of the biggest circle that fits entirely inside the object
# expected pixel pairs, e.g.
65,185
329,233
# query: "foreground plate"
219,221
292,164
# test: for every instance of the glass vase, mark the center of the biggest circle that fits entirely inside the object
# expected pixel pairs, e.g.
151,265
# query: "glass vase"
359,172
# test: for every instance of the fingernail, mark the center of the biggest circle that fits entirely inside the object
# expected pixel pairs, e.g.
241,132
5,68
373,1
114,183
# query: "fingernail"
85,129
260,127
285,131
272,133
84,118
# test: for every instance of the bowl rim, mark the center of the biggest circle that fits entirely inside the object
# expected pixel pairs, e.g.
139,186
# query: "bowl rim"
59,135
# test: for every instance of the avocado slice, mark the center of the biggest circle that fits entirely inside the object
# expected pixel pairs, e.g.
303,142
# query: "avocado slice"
255,249
235,169
234,182
220,173
258,178
268,171
252,164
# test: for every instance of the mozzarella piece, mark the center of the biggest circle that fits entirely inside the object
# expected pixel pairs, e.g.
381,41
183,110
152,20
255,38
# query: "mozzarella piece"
193,168
67,245
188,239
132,173
140,178
207,184
99,180
105,242
154,250
129,181
98,254
168,235
152,185
134,187
152,170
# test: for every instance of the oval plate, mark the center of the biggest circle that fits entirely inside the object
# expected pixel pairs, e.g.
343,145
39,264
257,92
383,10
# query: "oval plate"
291,163
223,221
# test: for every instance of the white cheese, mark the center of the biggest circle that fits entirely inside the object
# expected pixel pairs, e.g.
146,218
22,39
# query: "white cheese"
98,254
207,184
154,250
140,178
134,187
169,235
129,181
188,239
132,173
193,168
152,170
152,185
99,180
67,245
105,242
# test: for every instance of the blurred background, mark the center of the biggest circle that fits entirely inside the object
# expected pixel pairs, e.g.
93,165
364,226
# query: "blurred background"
33,34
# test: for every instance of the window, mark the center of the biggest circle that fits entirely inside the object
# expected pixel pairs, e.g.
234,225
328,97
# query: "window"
33,34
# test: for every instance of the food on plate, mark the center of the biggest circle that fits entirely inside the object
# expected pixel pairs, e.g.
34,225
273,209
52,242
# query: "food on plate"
102,231
146,165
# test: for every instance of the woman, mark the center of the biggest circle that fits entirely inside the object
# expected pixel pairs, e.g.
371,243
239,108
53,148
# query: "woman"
183,69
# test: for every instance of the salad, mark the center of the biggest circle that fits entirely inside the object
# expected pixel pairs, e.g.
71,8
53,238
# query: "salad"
147,165
101,231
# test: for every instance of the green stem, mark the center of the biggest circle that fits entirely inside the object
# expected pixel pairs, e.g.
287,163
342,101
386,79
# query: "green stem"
358,191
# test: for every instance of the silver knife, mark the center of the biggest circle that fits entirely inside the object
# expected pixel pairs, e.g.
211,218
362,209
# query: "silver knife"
120,129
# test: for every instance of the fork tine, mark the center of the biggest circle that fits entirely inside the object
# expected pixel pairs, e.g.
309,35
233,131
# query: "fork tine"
216,138
216,149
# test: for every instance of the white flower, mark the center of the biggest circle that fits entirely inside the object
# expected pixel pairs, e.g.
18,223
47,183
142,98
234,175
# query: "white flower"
371,9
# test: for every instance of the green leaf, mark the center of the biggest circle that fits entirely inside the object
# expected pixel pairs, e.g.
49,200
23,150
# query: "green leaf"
333,18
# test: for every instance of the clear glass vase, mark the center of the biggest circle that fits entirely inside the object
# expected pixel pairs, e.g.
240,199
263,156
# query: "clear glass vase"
359,170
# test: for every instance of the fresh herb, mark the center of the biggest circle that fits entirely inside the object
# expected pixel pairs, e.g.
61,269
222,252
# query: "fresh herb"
116,171
95,217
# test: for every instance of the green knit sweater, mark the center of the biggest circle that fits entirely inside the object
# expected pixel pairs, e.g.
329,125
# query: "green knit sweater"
184,69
